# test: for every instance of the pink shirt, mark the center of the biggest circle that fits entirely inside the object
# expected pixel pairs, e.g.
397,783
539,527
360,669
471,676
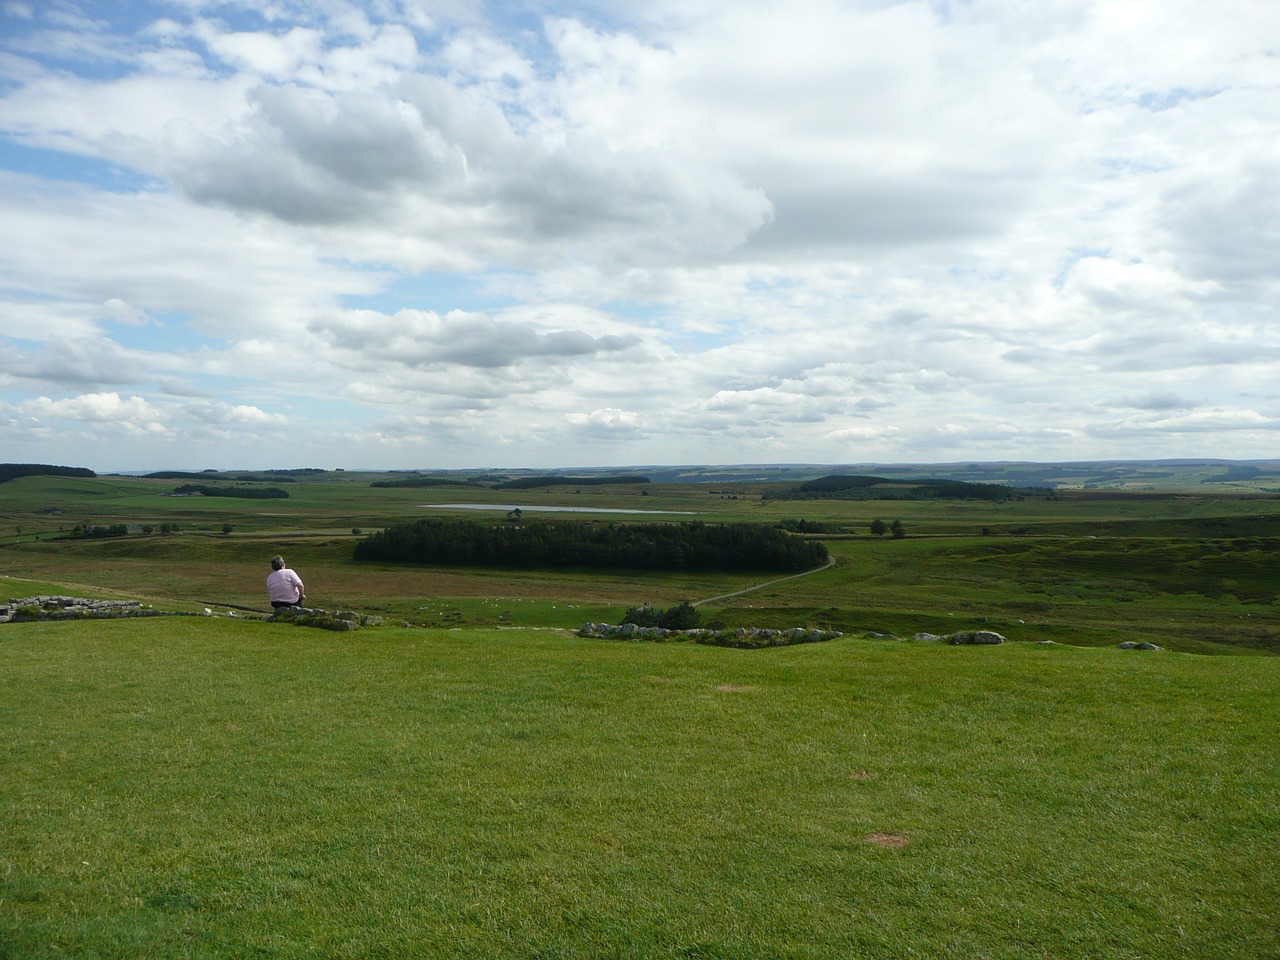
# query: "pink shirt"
284,586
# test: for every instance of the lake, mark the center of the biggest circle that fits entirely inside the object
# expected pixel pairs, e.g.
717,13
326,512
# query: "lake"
508,507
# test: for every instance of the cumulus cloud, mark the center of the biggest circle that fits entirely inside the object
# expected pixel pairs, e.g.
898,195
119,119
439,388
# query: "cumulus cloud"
805,231
422,339
1158,402
83,249
80,362
608,424
430,158
239,414
1202,421
132,412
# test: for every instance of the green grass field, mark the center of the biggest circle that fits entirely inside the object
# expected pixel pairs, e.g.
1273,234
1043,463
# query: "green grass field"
202,787
1195,572
481,782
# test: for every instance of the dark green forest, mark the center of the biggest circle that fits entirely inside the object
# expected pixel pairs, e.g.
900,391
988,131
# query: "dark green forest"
11,471
243,493
640,546
882,488
420,482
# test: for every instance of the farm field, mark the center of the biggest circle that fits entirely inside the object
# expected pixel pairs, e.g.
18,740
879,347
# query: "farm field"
1194,571
474,779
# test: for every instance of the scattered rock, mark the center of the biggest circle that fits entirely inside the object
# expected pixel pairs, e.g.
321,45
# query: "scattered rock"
742,637
873,635
975,637
30,609
78,608
963,637
1134,645
339,620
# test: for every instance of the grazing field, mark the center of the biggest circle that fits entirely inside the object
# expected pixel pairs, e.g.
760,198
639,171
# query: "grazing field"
1194,570
209,787
472,779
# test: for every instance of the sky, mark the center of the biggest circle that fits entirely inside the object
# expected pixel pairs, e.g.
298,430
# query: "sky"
417,234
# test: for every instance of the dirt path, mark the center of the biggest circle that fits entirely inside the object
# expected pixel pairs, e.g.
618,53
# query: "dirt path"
831,562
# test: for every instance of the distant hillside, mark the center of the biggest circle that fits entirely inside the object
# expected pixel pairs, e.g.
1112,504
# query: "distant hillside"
421,482
259,476
1065,475
11,471
861,487
528,483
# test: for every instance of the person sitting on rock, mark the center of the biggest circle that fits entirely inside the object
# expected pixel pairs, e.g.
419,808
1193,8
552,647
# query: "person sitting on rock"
284,587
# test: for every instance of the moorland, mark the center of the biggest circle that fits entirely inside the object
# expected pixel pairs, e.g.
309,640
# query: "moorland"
474,779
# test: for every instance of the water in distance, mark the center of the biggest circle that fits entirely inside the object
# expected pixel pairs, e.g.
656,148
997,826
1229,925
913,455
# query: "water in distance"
508,507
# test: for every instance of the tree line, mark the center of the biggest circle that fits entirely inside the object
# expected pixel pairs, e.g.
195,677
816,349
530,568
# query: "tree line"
420,482
96,531
11,471
640,546
529,483
244,493
883,488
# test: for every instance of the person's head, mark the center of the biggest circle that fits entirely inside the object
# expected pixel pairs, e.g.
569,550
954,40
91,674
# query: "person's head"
277,563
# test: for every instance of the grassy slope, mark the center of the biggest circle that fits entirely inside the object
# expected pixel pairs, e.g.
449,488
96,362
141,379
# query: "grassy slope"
1190,573
211,788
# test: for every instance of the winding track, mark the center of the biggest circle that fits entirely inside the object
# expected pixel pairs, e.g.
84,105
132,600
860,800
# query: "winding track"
831,562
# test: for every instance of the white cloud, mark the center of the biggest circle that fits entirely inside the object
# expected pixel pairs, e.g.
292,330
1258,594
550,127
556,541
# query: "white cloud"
609,423
422,340
242,414
72,362
82,248
96,407
679,231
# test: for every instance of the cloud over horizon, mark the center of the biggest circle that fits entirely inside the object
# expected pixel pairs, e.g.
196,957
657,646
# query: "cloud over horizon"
410,233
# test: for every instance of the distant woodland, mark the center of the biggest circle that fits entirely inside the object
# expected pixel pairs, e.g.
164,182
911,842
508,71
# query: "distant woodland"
529,483
243,493
420,482
641,546
11,471
883,488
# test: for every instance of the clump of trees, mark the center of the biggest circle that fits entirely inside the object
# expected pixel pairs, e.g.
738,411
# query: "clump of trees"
810,526
11,471
859,487
97,531
244,493
639,546
683,616
101,531
880,528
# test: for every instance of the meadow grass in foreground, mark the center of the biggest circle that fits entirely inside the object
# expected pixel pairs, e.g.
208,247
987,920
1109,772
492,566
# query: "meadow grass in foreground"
211,788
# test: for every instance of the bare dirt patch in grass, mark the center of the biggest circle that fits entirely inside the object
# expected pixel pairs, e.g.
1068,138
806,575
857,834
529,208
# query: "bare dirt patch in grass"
734,688
895,841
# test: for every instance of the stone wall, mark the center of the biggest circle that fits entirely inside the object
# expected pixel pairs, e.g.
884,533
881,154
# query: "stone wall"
71,608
